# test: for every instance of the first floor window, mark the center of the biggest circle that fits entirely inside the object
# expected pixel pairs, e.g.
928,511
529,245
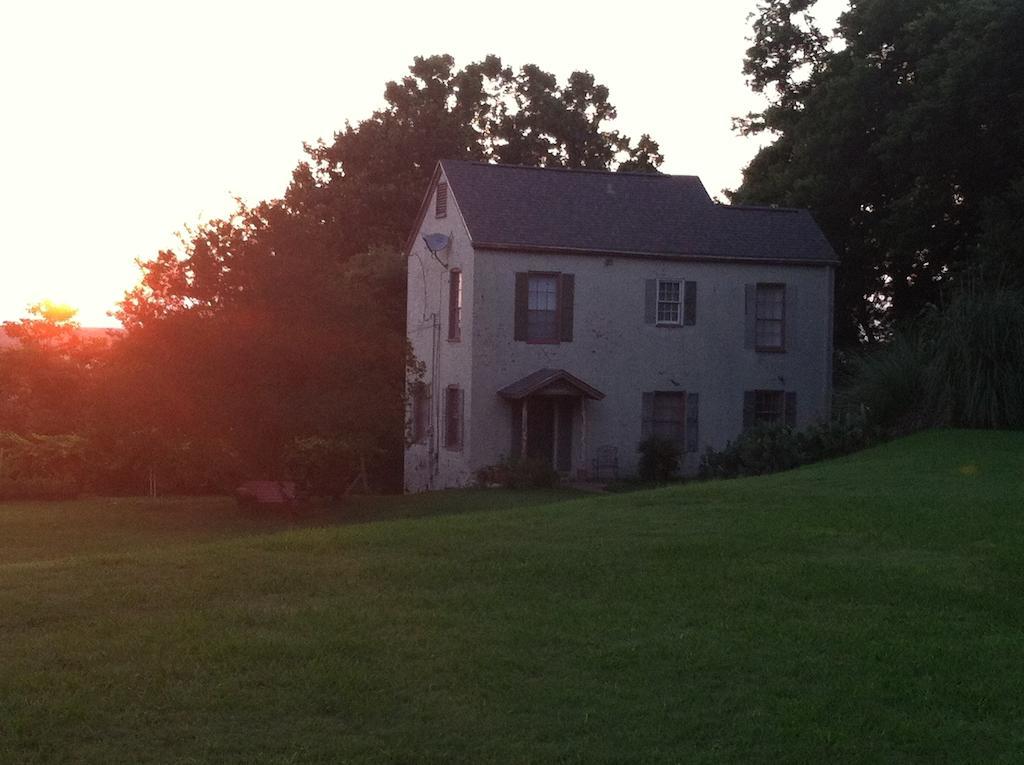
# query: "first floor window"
453,417
769,407
665,415
770,317
420,413
669,302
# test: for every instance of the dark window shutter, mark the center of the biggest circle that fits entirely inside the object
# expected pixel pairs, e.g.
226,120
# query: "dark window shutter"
453,417
449,414
750,314
522,303
692,419
651,301
568,294
690,303
748,409
462,418
791,409
517,430
646,414
789,317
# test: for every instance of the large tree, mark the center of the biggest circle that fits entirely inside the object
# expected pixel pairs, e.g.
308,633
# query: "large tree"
365,185
903,131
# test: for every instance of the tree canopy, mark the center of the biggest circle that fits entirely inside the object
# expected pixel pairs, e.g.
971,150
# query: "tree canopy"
280,329
903,132
365,186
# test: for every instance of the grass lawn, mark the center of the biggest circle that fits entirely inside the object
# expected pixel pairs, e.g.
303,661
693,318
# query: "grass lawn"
860,610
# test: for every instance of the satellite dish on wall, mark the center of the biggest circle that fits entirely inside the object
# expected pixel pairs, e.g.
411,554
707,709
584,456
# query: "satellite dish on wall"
436,242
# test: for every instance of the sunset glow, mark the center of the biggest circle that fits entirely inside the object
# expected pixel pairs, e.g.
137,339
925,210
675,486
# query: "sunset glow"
133,120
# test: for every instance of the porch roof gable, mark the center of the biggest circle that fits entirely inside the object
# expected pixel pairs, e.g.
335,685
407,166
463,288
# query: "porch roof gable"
542,379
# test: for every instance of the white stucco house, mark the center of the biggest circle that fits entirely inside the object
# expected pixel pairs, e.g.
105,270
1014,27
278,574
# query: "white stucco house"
568,314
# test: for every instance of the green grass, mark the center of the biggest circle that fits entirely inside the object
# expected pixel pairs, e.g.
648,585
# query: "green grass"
860,610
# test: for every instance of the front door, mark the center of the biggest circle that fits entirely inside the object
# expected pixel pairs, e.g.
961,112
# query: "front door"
549,430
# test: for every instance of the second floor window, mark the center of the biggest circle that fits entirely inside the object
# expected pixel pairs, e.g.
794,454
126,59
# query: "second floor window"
455,305
669,303
770,316
544,307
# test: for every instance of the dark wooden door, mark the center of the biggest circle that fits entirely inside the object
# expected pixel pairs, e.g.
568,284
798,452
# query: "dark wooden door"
540,429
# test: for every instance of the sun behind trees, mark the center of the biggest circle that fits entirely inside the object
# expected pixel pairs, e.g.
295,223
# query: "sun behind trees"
274,342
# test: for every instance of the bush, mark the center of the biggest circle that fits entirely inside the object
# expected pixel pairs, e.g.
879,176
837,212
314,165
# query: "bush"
322,466
659,459
756,452
769,449
975,374
519,473
38,488
41,467
886,384
962,366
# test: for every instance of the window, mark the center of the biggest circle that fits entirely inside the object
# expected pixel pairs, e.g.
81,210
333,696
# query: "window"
669,302
455,305
441,201
769,407
769,331
542,308
668,416
672,415
420,412
453,418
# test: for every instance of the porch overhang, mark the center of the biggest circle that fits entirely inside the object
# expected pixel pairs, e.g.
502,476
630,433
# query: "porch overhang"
549,382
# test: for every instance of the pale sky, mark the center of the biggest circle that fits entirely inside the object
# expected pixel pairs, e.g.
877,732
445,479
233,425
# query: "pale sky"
122,122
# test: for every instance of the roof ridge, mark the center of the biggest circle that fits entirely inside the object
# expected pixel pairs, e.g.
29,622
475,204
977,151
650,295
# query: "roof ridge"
760,208
581,170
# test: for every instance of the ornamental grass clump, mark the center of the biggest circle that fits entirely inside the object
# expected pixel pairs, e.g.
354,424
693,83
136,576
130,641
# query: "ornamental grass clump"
959,366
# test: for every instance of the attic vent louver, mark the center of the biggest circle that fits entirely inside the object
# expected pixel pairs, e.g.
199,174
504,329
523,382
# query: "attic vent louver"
441,205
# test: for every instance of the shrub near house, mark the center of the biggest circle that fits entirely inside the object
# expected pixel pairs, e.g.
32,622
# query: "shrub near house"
41,467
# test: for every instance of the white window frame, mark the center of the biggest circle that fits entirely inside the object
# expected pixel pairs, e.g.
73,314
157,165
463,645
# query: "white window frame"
761,293
533,281
679,303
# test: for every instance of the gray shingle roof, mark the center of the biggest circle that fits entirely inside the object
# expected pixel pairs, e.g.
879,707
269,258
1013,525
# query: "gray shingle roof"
514,207
543,378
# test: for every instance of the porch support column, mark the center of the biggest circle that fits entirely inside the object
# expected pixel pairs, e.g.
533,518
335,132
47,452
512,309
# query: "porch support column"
554,437
522,446
583,432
